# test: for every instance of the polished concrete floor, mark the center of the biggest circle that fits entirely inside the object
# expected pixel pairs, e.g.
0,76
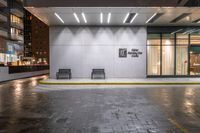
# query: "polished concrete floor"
28,108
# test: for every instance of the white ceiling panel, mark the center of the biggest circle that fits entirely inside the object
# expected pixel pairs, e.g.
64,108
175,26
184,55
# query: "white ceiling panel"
118,14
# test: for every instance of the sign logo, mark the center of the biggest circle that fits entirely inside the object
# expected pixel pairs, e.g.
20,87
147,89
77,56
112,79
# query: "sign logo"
123,52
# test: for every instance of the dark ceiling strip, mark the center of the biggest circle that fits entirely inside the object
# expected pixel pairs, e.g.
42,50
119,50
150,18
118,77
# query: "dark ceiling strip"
130,17
157,16
180,17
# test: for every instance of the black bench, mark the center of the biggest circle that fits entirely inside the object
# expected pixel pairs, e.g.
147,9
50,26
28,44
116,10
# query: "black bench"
99,72
64,74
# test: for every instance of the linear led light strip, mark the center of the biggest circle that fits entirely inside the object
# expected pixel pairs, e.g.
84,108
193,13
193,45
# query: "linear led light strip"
126,17
189,31
59,17
101,17
151,17
109,17
84,18
176,31
76,17
193,31
133,18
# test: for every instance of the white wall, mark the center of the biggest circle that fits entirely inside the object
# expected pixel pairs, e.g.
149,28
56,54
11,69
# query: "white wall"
85,48
5,76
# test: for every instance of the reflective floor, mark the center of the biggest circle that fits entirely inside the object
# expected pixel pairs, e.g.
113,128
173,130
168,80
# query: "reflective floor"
25,108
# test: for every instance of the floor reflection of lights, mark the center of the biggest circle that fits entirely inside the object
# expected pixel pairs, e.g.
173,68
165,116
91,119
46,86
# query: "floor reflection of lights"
33,82
17,96
188,102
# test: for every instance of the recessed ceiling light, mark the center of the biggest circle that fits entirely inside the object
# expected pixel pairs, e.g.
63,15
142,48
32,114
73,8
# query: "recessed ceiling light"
133,18
76,17
59,17
109,17
101,17
196,21
180,17
126,17
151,18
84,18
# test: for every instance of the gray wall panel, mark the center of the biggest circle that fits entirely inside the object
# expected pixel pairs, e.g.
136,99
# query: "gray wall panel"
85,48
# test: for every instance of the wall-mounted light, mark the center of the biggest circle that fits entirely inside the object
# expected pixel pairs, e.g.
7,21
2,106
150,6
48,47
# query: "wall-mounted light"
133,18
101,17
126,17
84,18
151,18
59,17
109,17
76,17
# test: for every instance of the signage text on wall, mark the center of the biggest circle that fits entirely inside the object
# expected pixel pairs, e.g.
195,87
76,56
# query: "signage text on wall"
123,52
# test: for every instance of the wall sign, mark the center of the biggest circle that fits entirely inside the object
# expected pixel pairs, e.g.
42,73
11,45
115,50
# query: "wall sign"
123,52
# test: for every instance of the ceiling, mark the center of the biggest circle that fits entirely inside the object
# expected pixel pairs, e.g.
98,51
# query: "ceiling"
104,3
118,14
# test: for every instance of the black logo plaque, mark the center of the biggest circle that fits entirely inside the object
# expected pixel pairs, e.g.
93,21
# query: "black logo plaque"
122,53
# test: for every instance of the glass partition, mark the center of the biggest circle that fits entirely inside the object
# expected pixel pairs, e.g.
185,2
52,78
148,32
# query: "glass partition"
173,53
167,54
182,42
153,51
195,39
194,60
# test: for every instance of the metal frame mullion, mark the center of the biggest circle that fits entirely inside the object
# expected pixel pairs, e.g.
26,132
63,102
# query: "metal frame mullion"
160,54
175,54
189,55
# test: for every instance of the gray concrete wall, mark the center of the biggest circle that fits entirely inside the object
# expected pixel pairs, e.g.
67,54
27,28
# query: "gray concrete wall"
85,48
5,76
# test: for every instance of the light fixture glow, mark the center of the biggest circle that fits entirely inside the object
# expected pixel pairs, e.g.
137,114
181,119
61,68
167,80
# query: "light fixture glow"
151,17
126,17
76,17
101,18
109,17
84,18
59,17
134,18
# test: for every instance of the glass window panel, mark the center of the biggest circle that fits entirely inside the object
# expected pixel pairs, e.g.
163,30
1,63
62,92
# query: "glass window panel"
195,39
195,60
181,60
153,60
182,39
167,60
168,39
153,39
